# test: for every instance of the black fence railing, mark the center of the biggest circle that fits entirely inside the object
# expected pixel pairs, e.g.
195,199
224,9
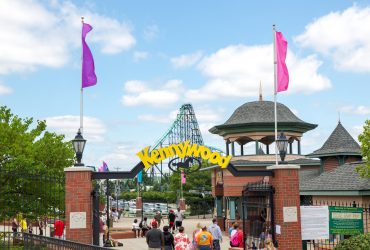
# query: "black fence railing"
334,239
257,214
32,241
30,201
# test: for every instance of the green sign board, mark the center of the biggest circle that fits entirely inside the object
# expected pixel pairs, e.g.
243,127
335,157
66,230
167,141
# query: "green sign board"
346,220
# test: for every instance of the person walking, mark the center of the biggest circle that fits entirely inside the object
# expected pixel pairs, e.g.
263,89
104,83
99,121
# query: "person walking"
215,230
171,220
179,217
198,229
101,232
58,228
15,226
136,228
237,240
154,237
144,226
23,225
168,239
269,245
40,225
204,239
182,241
158,217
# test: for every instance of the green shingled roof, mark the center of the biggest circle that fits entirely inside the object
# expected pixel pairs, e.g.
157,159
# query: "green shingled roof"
340,142
259,116
343,178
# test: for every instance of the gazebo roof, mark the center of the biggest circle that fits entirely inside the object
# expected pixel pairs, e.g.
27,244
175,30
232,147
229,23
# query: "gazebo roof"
340,142
259,116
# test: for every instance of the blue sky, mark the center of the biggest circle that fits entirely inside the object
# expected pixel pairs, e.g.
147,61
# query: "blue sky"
153,56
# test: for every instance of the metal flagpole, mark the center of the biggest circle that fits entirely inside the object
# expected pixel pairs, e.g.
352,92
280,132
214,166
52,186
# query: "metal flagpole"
275,82
82,91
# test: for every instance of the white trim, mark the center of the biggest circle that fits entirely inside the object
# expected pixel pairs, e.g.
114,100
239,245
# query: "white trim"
283,166
78,169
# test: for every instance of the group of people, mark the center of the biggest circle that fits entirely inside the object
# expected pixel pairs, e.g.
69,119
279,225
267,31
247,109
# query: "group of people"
27,226
203,238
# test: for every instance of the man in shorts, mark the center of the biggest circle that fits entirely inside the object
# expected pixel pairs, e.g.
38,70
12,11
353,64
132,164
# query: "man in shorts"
179,217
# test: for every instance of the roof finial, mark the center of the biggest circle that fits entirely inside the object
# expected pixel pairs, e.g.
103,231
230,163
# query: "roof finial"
339,116
260,96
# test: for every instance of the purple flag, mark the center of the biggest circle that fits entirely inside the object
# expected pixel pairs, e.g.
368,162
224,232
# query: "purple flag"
103,168
88,68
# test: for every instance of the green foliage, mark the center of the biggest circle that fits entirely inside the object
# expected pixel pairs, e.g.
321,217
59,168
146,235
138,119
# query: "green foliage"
364,138
358,242
194,181
31,158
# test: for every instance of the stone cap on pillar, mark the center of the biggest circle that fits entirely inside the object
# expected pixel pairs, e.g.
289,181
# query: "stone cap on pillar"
283,166
77,169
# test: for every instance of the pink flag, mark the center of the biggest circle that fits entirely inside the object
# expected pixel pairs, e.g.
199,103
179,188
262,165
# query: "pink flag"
88,68
103,168
282,70
183,177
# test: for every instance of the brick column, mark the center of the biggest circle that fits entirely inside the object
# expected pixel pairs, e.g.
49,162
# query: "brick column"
287,206
78,203
182,204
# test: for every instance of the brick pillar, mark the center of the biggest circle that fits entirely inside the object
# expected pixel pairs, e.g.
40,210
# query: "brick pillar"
78,202
287,206
182,204
139,202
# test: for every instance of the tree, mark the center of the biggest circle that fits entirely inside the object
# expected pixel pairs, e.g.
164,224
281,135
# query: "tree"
31,161
364,138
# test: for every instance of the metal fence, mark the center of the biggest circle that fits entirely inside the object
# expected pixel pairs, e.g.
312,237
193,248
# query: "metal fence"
257,214
30,202
334,239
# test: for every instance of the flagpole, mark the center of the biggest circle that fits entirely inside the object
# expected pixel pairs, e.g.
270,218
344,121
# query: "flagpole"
275,81
82,91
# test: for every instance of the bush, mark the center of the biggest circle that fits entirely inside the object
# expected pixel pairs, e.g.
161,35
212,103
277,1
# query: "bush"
358,242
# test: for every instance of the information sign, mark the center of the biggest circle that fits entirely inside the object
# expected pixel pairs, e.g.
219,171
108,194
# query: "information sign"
346,220
314,222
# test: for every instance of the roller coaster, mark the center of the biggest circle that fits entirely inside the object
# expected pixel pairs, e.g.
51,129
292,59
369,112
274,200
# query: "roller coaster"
184,128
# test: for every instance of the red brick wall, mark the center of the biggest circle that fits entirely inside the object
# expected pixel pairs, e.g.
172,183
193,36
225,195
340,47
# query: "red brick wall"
233,186
286,184
330,163
78,199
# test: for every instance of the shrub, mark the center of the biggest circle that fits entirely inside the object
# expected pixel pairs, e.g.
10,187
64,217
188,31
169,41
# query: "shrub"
358,242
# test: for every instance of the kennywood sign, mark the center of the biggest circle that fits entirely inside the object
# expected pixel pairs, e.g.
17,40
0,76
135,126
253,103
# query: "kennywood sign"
182,150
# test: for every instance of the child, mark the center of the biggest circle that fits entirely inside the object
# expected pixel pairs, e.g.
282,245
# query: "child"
136,228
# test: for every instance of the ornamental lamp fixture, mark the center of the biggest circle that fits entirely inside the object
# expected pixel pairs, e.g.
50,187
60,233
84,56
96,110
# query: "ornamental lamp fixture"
79,146
282,145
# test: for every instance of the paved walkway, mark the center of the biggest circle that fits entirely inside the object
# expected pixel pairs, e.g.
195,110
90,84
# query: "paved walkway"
140,243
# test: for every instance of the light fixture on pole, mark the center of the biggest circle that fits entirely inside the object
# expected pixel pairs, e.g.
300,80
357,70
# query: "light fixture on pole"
282,145
79,146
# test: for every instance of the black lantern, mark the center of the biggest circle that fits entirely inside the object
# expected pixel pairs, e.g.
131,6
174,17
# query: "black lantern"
79,146
282,145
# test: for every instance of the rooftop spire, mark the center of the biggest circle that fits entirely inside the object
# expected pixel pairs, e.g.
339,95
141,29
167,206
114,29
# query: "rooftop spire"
260,95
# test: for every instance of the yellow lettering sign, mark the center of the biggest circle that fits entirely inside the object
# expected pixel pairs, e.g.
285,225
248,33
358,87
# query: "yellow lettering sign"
182,150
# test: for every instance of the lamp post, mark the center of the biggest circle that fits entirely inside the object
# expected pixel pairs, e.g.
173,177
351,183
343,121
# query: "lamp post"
282,145
79,146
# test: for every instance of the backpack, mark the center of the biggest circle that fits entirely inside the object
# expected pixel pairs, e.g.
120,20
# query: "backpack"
141,224
234,241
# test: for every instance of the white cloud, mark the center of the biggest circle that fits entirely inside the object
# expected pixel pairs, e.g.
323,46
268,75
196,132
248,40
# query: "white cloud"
140,55
186,60
359,110
151,32
38,34
93,131
139,93
4,90
235,71
343,36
